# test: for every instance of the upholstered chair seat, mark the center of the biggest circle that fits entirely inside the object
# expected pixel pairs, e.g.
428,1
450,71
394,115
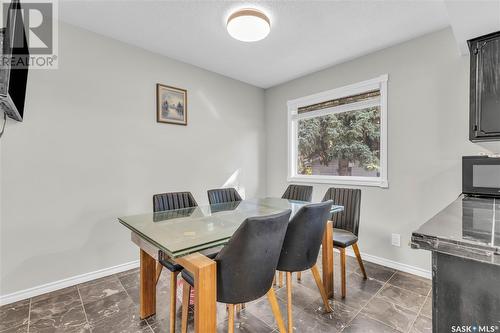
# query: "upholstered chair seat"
343,238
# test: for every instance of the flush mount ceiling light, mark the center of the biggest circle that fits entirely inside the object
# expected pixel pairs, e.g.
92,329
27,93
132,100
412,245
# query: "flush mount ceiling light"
248,25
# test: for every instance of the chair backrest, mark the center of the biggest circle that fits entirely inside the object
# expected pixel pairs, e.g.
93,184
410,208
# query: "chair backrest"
298,192
221,195
246,265
303,237
173,200
351,200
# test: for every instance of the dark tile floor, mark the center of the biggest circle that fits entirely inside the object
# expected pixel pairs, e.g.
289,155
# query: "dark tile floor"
389,301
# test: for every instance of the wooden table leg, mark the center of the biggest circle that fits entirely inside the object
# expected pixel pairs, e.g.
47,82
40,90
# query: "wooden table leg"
205,284
327,259
148,285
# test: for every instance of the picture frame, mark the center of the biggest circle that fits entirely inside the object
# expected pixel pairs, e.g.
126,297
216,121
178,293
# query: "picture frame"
171,105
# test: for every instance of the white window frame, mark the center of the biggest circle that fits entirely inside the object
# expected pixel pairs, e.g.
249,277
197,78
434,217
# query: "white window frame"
353,89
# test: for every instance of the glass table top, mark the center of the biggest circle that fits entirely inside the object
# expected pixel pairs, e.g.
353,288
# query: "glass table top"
183,231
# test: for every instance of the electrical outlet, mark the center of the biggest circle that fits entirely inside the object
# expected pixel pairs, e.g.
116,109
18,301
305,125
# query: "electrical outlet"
396,240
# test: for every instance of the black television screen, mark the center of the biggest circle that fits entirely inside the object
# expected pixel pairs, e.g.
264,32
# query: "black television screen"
13,77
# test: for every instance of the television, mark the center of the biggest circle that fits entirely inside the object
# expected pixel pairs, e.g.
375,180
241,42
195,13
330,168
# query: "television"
13,76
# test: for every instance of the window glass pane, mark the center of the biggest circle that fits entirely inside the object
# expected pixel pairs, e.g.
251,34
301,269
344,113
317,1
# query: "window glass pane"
341,144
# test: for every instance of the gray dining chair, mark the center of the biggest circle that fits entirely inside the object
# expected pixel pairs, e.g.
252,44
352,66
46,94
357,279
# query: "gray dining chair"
301,248
165,202
301,193
246,266
346,226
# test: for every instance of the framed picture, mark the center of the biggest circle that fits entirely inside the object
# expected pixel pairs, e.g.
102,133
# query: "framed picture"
171,105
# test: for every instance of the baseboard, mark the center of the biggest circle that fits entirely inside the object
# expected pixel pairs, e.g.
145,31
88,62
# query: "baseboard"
64,283
52,286
392,264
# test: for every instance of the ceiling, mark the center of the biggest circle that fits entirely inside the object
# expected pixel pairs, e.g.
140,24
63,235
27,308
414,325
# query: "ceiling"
306,36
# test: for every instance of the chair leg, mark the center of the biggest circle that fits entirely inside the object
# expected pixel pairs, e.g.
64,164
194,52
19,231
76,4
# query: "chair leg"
360,261
243,306
173,299
280,279
321,288
186,293
271,296
240,307
289,301
159,268
299,276
342,270
230,323
274,280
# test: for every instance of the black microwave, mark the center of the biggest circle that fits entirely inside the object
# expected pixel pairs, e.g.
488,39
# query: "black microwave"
481,175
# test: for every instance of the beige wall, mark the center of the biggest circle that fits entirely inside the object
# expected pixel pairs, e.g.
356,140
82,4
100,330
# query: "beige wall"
90,150
427,135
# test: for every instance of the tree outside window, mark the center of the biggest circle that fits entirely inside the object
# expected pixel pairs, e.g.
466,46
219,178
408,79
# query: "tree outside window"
340,144
340,136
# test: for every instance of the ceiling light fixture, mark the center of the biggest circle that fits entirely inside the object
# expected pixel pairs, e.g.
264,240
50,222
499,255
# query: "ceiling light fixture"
248,25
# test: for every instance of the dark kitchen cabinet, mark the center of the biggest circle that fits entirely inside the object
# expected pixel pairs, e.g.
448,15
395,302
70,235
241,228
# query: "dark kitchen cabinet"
484,124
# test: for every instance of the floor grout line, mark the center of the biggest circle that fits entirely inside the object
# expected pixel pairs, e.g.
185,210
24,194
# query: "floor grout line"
29,316
126,291
419,311
414,293
381,322
371,298
426,299
83,306
410,291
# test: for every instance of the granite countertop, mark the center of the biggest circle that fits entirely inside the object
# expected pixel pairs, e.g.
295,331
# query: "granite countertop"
469,228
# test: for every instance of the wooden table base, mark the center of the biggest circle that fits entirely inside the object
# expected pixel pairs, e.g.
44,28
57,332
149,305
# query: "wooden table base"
148,285
205,276
205,279
205,283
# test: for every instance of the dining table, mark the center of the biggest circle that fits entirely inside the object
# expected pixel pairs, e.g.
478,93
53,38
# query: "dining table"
186,235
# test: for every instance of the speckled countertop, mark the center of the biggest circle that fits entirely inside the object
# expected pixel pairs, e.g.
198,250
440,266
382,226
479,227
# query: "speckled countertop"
469,228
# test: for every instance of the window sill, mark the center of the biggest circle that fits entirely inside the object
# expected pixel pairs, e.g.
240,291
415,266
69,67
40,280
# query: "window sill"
335,180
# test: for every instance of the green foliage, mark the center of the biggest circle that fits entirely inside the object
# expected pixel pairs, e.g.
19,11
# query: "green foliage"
347,137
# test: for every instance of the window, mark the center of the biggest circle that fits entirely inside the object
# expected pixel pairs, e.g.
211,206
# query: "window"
340,136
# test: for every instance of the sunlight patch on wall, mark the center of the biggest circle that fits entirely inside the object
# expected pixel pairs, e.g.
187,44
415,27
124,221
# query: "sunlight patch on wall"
234,181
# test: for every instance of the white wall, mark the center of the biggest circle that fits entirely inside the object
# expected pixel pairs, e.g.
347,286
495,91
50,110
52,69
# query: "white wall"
428,133
90,150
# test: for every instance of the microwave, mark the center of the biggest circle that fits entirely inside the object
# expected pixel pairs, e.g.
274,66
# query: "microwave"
481,176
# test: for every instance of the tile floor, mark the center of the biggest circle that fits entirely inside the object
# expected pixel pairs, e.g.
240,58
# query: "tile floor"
389,301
